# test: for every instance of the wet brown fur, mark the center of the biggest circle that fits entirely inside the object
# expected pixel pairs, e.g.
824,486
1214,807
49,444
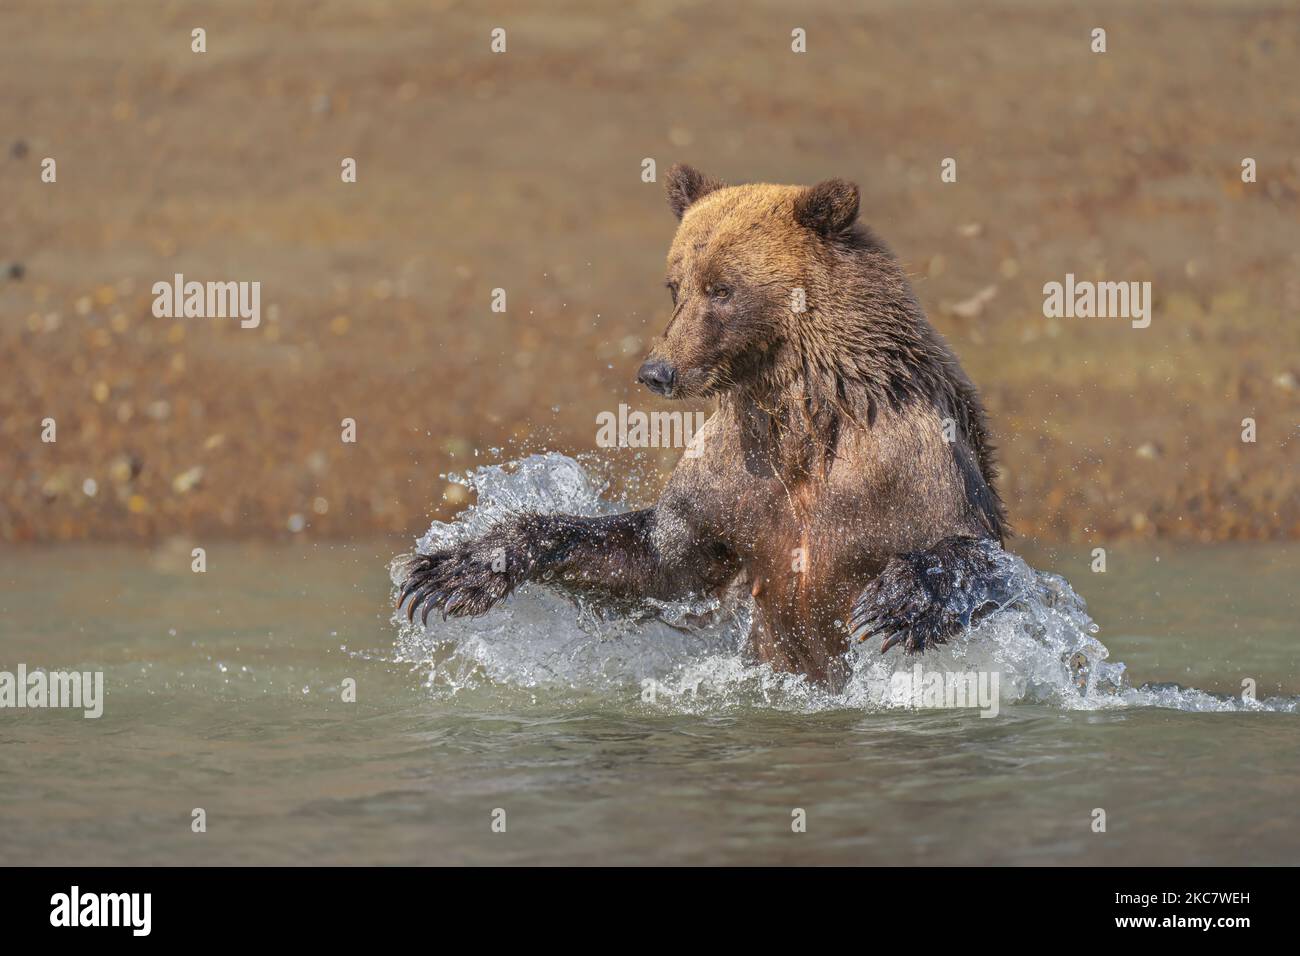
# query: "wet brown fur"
825,468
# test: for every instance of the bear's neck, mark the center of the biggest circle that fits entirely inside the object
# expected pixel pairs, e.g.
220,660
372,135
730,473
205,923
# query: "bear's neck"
836,372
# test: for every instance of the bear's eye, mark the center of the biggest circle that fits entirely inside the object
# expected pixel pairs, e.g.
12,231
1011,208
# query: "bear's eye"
672,290
720,292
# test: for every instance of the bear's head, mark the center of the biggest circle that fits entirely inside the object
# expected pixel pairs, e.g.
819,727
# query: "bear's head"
744,270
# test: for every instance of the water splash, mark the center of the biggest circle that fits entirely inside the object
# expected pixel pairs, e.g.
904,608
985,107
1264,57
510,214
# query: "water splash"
1042,644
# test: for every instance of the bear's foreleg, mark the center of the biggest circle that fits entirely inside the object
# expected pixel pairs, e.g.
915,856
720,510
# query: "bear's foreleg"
923,598
617,556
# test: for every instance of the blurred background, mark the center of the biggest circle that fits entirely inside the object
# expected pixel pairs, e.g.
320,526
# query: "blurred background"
522,171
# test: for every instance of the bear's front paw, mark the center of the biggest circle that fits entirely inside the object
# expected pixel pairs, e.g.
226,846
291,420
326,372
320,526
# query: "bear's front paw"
926,597
461,581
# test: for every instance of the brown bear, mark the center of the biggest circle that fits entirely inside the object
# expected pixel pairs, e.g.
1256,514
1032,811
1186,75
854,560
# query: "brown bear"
846,477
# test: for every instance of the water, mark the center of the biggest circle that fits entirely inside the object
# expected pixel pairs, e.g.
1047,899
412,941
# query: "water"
225,692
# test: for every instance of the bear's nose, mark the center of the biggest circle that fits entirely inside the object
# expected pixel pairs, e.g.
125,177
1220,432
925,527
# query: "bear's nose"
657,375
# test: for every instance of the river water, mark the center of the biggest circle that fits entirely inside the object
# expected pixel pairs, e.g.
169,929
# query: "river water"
544,734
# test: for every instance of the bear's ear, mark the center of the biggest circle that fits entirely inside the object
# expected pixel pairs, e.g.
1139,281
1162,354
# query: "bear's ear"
828,208
687,185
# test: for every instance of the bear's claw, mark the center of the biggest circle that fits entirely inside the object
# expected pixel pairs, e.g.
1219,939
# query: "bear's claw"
459,581
924,598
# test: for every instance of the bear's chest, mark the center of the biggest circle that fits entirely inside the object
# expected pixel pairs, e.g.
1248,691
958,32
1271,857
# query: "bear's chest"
797,537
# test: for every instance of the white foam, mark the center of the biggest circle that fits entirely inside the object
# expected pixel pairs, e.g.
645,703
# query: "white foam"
1042,646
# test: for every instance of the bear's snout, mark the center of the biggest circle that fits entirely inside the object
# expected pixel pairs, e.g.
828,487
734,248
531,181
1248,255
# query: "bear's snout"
657,375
